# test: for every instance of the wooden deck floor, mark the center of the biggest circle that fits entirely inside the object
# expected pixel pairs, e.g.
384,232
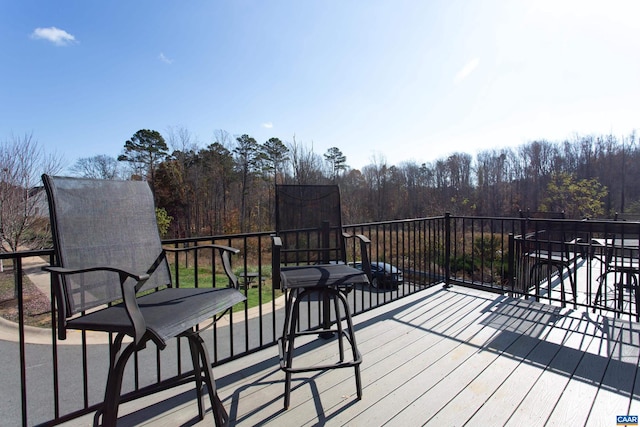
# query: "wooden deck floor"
443,358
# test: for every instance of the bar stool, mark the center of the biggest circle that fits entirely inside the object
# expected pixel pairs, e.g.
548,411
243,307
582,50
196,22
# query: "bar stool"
328,283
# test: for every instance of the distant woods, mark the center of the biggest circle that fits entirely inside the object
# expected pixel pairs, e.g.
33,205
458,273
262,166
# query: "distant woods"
228,185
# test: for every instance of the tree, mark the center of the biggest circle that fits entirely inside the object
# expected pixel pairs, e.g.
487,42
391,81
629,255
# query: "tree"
577,198
218,169
144,151
171,194
275,155
337,162
306,165
246,153
98,167
23,215
23,218
164,221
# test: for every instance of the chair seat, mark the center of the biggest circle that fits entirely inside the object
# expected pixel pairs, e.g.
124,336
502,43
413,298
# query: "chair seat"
322,275
554,257
623,263
167,313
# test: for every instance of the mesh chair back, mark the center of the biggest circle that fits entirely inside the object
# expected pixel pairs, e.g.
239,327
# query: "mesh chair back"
309,222
542,215
103,223
549,228
625,216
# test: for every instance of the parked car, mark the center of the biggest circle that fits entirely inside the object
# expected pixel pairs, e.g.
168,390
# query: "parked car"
384,274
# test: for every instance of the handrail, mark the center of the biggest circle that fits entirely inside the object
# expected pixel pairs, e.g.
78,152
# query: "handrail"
478,252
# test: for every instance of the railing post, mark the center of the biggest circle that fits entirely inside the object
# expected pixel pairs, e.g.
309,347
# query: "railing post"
17,267
511,263
326,302
325,231
447,250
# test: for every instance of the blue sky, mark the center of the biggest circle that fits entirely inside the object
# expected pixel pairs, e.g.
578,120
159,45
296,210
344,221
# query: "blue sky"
391,80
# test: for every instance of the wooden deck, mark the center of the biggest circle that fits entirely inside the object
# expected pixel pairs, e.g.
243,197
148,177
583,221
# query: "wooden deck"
440,357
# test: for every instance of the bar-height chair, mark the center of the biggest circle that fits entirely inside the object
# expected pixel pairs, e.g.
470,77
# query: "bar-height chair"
310,259
111,275
548,250
621,261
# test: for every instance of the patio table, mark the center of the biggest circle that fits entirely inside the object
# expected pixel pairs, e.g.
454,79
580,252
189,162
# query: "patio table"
249,279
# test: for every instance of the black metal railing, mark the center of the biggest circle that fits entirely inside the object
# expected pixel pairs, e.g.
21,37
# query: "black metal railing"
480,252
582,263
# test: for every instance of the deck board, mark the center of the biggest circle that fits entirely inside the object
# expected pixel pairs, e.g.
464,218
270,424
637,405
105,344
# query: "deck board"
439,357
614,394
579,339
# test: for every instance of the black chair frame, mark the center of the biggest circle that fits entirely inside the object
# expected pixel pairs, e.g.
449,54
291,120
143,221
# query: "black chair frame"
328,254
111,275
548,250
624,264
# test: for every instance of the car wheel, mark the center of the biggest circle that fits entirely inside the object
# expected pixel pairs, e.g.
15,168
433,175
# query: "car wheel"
374,282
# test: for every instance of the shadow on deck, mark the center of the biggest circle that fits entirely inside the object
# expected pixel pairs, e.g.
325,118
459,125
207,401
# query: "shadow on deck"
439,357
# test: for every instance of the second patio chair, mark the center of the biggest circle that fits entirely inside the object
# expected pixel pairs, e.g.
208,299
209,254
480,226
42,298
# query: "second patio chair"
548,251
310,261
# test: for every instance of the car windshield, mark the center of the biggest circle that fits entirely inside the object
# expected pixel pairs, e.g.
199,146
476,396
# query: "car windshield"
385,267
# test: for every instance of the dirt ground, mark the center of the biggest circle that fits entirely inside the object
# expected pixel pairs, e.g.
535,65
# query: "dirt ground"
37,308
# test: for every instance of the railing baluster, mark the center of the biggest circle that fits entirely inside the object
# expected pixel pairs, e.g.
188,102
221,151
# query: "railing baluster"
425,249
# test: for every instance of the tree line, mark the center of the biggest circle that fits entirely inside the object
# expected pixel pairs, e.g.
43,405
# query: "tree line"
227,186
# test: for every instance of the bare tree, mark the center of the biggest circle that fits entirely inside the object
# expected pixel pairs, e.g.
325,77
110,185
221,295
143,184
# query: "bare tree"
99,167
306,165
23,214
181,139
377,176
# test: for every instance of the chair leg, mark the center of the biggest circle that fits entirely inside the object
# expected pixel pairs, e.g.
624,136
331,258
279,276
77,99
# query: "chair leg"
354,347
634,288
561,268
197,372
601,293
287,342
219,412
620,289
574,288
288,346
114,384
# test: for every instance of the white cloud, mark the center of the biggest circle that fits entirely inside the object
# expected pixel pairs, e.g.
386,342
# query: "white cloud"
466,70
267,125
54,35
164,59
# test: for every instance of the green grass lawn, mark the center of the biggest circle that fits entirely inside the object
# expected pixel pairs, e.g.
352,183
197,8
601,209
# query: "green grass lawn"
37,306
187,278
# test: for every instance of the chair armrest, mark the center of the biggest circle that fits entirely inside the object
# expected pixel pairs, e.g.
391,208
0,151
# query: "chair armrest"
225,255
128,289
210,246
364,252
276,247
64,271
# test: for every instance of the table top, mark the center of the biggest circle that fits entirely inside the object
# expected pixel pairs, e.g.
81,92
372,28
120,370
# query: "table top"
618,243
306,276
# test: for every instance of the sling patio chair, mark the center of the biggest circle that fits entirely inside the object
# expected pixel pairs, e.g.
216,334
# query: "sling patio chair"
549,250
111,275
310,260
